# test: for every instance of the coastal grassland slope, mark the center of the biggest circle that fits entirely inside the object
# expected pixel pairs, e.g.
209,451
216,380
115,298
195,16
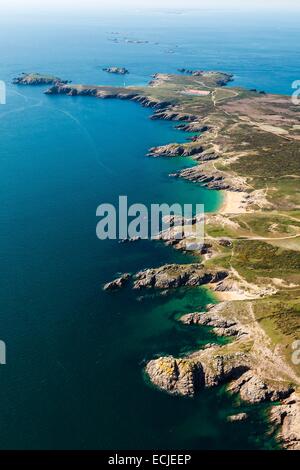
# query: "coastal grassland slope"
247,144
248,135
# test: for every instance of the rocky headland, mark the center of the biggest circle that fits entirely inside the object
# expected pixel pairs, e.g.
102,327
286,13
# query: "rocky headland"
173,276
169,276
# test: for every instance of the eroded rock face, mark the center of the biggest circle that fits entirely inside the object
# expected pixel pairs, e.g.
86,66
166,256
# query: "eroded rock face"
222,368
287,416
221,326
255,390
173,275
175,150
118,283
176,376
209,369
186,376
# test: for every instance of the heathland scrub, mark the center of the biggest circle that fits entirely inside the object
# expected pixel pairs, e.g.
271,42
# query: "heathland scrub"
247,145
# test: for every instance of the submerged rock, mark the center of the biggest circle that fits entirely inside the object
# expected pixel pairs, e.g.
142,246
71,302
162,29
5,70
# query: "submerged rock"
176,376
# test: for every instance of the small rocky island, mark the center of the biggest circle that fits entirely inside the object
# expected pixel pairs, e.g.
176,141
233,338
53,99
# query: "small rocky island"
38,79
116,70
195,73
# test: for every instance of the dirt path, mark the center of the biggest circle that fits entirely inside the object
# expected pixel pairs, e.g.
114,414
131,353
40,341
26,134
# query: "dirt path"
245,237
269,238
215,101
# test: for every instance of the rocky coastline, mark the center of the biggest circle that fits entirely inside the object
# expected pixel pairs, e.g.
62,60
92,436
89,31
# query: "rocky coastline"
238,368
237,131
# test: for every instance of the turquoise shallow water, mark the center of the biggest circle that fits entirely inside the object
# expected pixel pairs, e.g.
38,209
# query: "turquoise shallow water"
75,354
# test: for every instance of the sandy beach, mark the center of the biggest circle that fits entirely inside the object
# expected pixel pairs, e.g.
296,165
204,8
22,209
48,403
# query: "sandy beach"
233,202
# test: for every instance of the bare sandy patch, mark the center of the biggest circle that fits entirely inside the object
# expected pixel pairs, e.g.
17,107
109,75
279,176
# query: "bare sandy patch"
273,129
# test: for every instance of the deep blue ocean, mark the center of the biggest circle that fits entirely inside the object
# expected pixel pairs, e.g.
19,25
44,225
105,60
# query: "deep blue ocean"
75,354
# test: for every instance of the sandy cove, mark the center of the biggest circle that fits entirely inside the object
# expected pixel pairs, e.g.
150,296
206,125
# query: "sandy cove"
233,202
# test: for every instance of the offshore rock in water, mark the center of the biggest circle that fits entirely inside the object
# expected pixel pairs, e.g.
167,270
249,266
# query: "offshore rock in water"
116,70
38,79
